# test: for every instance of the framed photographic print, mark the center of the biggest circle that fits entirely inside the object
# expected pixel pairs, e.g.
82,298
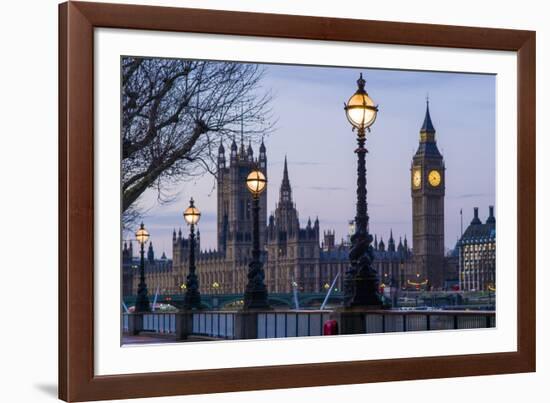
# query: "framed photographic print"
255,201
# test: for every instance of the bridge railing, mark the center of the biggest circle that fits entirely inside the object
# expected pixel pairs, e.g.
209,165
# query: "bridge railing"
291,323
415,320
279,324
153,322
214,324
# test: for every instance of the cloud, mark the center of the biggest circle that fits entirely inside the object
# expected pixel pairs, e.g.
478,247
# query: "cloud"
300,163
471,195
326,188
382,222
161,217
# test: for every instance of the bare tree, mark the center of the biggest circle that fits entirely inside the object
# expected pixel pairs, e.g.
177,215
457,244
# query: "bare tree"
175,114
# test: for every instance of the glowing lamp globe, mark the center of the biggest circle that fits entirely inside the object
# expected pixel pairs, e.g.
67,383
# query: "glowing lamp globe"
192,214
256,182
360,109
142,235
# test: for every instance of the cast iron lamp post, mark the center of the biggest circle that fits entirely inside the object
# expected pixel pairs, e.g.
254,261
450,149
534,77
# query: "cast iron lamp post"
192,298
142,300
362,285
255,295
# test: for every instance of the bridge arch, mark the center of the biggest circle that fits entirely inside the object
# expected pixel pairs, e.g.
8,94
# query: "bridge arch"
280,301
311,301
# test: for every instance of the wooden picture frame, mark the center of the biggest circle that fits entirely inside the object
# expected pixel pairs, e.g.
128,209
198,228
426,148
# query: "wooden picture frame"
77,21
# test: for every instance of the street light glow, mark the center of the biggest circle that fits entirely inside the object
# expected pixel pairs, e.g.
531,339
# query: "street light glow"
256,182
192,214
360,109
142,235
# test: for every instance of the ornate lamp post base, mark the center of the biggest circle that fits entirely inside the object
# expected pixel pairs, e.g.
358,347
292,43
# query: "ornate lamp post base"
142,301
365,292
256,299
255,295
192,300
362,282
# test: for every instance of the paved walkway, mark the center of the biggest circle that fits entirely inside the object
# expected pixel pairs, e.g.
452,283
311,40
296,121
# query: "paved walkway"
147,339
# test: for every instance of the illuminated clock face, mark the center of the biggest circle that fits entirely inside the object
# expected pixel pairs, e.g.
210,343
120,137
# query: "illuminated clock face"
434,178
417,178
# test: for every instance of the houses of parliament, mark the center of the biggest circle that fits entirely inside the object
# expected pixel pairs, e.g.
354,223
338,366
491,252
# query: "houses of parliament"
303,256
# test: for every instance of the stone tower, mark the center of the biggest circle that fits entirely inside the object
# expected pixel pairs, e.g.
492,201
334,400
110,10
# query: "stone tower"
293,251
234,216
428,195
151,253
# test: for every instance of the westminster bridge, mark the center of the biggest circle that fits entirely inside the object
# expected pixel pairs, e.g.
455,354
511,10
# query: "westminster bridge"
411,299
222,301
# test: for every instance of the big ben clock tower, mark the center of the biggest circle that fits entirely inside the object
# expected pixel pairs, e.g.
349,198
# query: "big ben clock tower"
428,194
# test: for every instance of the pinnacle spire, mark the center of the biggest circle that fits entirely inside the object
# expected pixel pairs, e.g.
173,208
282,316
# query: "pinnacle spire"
427,126
242,151
286,181
391,242
286,192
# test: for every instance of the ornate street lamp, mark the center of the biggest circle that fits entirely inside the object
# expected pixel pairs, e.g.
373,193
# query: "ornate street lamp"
361,284
215,286
142,300
255,295
192,299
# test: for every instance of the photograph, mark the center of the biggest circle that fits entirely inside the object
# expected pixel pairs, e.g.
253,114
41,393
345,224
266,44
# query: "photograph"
269,200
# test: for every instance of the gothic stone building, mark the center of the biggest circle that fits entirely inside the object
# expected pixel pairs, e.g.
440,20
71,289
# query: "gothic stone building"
476,249
394,264
291,253
294,256
224,270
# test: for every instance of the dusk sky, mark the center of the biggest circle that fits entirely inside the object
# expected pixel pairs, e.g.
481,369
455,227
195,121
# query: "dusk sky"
314,134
